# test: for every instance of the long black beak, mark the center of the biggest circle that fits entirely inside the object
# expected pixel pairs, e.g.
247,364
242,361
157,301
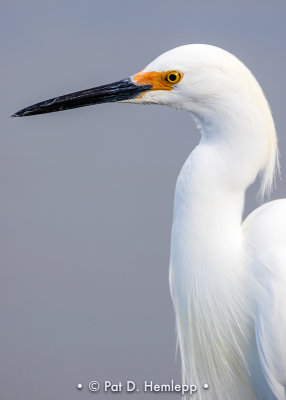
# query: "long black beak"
117,91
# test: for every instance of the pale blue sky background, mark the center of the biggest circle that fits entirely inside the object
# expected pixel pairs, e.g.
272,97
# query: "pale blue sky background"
87,195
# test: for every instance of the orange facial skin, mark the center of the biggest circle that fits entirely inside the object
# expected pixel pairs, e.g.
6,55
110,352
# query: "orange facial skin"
157,80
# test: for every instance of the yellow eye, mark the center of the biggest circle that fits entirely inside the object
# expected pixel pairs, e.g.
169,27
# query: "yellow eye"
173,77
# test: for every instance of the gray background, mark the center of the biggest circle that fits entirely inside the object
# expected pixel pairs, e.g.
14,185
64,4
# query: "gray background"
87,195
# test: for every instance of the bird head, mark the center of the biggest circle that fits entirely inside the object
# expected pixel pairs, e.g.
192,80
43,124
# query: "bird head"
192,77
188,77
213,85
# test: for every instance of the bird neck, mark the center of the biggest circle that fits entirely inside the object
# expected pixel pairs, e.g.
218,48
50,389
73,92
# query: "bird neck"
208,208
235,147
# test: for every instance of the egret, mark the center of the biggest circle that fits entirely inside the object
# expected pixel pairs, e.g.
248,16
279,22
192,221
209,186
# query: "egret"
227,276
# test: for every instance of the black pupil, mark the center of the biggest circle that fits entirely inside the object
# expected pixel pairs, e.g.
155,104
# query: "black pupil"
172,77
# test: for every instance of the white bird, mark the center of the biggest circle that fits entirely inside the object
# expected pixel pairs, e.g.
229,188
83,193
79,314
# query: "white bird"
227,277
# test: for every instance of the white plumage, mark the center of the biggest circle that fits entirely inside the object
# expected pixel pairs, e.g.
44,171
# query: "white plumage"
227,277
